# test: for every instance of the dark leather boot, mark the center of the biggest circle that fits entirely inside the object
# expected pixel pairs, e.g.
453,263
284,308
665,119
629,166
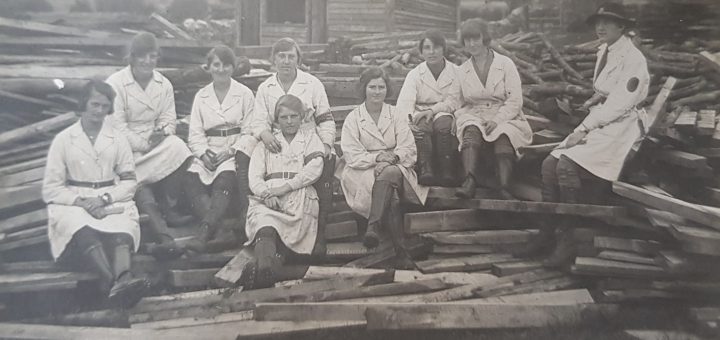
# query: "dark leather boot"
542,243
200,242
127,290
242,163
268,259
324,190
469,156
564,251
504,168
165,247
173,190
424,159
446,146
397,233
382,193
97,260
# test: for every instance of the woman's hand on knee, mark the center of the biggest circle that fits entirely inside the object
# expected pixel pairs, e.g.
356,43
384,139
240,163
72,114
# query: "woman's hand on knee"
380,167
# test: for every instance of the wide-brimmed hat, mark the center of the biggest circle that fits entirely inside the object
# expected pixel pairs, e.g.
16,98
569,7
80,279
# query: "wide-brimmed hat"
613,11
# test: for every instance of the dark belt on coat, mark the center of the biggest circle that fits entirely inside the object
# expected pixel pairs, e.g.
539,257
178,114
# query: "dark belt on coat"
223,132
278,175
93,185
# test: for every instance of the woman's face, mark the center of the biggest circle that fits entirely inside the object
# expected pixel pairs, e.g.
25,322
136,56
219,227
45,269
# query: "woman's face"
608,30
220,72
375,91
288,120
432,54
286,62
475,45
96,109
144,65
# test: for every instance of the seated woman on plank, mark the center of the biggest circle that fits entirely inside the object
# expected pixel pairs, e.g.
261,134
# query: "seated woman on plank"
219,133
145,114
283,212
286,57
430,95
89,186
581,168
380,154
491,121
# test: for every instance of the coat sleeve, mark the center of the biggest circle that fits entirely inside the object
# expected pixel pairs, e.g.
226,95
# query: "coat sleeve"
633,78
405,142
326,128
124,190
55,190
452,100
119,119
248,107
313,167
197,140
355,154
513,95
168,117
257,171
261,112
408,94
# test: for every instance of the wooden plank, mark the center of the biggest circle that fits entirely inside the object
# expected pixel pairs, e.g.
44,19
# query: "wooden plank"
28,331
623,256
595,266
482,237
628,245
510,268
35,129
23,234
561,297
460,316
711,59
257,329
451,278
25,177
195,321
21,196
706,123
341,230
177,32
462,264
48,29
349,250
681,158
649,334
230,274
27,99
686,120
697,240
15,283
24,221
390,289
21,243
709,216
192,277
116,43
321,273
454,220
586,210
19,167
462,249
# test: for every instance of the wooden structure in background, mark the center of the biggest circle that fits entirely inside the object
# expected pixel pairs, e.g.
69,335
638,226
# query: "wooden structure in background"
316,21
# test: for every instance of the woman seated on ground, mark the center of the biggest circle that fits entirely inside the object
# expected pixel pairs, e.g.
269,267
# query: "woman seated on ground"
89,186
430,95
219,131
145,114
491,121
380,153
581,168
283,213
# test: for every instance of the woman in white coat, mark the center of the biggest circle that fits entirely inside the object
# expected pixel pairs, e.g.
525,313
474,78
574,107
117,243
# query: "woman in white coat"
145,114
581,168
430,96
380,154
89,185
219,131
283,212
491,116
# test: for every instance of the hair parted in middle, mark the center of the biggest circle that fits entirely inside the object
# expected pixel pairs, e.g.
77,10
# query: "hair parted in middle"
436,36
98,86
475,28
291,102
370,74
141,45
283,45
222,52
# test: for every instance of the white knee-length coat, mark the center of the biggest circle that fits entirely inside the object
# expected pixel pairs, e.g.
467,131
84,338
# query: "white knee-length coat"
499,100
362,140
208,113
73,157
613,125
137,112
297,220
421,91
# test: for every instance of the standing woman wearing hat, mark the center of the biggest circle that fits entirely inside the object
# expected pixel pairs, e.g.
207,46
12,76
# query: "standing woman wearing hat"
89,185
219,131
581,168
145,114
491,122
286,57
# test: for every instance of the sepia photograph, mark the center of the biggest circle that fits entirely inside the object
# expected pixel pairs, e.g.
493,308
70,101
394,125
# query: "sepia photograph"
360,169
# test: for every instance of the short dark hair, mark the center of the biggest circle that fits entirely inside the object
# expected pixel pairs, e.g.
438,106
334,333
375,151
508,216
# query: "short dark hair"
224,53
285,44
475,28
370,74
142,44
98,86
291,102
436,36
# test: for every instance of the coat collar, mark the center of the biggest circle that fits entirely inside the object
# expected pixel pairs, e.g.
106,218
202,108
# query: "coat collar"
618,50
368,124
136,91
105,139
302,81
234,96
495,74
445,79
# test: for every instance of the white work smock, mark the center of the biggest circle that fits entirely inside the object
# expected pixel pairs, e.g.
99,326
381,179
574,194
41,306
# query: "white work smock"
613,126
73,157
421,91
207,114
137,112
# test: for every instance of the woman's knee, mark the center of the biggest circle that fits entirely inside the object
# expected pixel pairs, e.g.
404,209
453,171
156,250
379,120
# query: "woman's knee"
391,173
549,167
120,239
442,124
472,137
225,183
85,238
503,146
